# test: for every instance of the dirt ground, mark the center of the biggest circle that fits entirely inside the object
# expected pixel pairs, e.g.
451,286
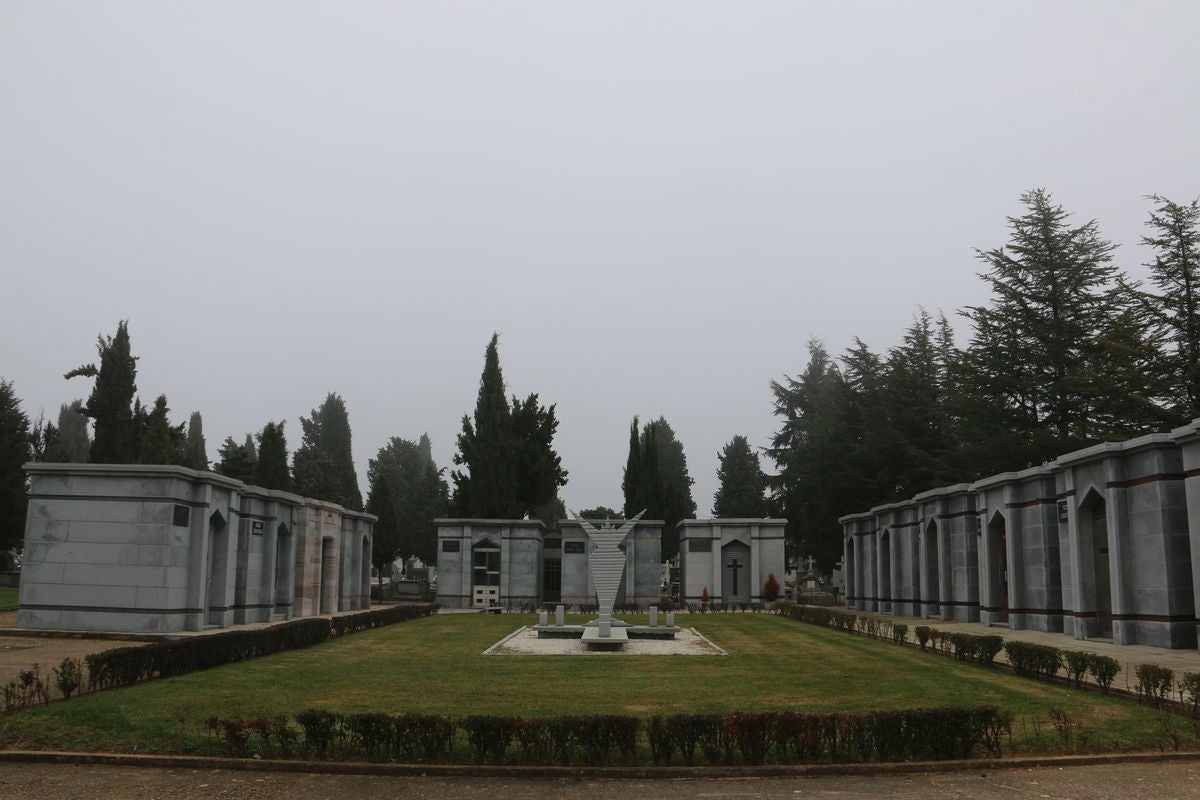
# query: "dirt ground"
1165,781
22,652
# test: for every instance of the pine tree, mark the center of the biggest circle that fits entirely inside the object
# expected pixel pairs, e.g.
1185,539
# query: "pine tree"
323,465
236,461
1053,297
157,446
271,469
488,485
110,405
71,443
539,467
15,452
385,537
742,486
196,453
418,492
1174,311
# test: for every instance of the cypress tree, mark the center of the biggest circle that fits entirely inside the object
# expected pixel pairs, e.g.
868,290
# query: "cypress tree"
742,486
236,461
631,481
323,465
419,494
488,485
271,468
157,446
15,452
539,467
111,401
673,487
385,539
71,443
196,453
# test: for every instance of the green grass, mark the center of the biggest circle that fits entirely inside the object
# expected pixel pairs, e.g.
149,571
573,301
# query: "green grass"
8,598
434,666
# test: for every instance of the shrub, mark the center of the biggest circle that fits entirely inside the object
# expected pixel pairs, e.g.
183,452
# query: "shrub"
923,633
899,633
320,728
1104,669
1076,664
1033,660
752,735
661,739
370,734
1189,686
1154,683
68,676
489,736
771,588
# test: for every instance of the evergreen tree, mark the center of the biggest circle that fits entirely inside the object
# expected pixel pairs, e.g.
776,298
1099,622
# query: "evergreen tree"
631,481
600,513
1053,298
43,438
1173,312
539,468
323,465
236,461
71,443
671,492
110,404
742,485
488,486
157,445
15,452
196,453
418,492
385,537
549,512
271,469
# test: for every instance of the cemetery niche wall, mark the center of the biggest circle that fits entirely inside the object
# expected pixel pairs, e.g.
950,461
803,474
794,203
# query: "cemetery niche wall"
1101,543
154,549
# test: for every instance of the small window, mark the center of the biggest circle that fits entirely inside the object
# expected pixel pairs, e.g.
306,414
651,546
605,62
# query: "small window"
699,545
554,544
183,517
572,547
450,545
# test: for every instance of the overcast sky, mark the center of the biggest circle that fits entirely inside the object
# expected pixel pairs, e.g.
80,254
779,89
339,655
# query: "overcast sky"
656,204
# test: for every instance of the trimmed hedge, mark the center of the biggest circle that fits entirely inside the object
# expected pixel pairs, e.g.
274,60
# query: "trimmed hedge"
737,738
125,666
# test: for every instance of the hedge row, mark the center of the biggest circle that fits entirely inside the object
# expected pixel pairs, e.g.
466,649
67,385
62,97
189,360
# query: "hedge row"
1029,660
745,738
125,666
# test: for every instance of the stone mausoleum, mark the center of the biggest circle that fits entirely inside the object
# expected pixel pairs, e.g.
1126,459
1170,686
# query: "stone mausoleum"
1102,543
519,564
139,548
731,558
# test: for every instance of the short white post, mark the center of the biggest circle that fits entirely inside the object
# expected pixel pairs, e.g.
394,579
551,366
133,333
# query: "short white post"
653,616
560,616
543,618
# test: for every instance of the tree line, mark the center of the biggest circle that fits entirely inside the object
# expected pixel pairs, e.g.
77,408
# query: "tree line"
1068,352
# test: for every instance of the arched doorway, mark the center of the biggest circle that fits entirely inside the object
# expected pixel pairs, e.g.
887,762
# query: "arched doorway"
328,585
997,557
885,571
933,580
735,573
485,574
1096,582
218,565
283,557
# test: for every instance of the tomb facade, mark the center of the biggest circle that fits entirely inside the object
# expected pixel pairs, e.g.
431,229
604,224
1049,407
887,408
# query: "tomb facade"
731,558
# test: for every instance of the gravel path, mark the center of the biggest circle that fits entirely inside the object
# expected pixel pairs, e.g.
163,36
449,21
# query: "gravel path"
55,782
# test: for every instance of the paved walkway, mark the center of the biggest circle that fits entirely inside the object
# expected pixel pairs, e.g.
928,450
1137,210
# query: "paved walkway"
1129,655
1177,780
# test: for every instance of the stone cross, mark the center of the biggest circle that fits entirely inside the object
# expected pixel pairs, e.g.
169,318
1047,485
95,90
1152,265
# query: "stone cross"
735,565
811,563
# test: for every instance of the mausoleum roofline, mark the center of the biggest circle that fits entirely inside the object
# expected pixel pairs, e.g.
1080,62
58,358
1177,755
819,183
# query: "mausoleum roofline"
1187,433
254,490
943,491
733,521
858,517
495,522
1106,449
899,504
1021,476
653,523
133,471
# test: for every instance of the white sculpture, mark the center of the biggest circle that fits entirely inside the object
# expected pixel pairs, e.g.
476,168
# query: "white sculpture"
607,562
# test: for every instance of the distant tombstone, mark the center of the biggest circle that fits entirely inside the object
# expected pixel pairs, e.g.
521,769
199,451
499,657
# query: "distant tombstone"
560,615
653,616
670,619
543,618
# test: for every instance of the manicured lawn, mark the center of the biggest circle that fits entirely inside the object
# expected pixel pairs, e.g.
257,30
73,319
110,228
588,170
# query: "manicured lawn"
434,666
8,598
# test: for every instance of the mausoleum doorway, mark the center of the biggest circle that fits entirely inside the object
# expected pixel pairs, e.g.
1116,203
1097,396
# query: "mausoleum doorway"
885,571
485,574
328,585
283,555
735,575
997,553
1097,576
218,566
933,578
